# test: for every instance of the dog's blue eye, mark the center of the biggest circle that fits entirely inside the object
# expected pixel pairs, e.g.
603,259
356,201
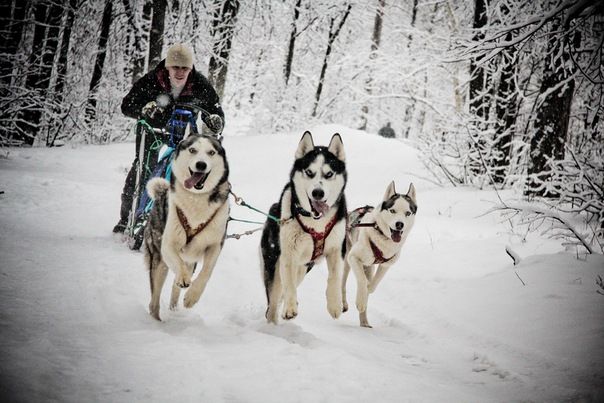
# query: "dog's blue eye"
328,175
211,153
309,173
193,150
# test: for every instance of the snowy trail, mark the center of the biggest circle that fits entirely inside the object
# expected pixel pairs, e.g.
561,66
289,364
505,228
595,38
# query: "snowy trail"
452,322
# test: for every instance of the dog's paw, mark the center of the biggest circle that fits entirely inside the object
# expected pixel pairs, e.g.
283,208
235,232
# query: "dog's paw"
335,310
290,311
344,306
191,298
271,315
363,320
183,281
154,312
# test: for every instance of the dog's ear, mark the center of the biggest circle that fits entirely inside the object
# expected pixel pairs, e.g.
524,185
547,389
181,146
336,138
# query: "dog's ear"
336,147
390,191
411,192
305,146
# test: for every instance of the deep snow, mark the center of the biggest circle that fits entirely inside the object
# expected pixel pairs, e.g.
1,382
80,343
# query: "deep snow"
452,320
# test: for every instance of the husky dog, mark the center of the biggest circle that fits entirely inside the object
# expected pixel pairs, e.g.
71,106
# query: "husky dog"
375,238
312,223
188,221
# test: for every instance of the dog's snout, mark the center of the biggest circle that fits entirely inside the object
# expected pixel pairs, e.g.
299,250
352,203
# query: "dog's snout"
201,166
318,194
399,225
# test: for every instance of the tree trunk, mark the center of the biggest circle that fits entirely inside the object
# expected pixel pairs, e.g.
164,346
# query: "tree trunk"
478,102
65,39
506,109
553,114
292,43
138,38
61,71
333,34
410,109
12,20
375,45
413,19
47,19
99,64
223,28
156,37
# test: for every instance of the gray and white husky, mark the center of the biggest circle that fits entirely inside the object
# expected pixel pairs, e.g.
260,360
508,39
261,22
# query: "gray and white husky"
312,223
375,239
188,221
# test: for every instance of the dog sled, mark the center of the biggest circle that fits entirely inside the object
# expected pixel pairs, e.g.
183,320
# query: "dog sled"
163,142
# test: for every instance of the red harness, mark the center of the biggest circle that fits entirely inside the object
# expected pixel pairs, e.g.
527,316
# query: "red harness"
318,238
191,233
378,255
355,218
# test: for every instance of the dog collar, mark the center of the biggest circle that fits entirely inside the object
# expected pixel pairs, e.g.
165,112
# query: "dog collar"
299,210
318,238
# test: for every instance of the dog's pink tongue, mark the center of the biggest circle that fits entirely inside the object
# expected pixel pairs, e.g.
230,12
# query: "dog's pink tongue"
396,236
320,206
194,180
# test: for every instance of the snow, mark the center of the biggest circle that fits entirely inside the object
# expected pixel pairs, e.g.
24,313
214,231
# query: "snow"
452,320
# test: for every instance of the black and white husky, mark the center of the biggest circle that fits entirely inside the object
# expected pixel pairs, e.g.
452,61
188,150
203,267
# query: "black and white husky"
312,223
188,221
375,239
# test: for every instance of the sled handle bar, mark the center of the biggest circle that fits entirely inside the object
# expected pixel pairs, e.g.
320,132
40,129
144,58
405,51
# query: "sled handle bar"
194,106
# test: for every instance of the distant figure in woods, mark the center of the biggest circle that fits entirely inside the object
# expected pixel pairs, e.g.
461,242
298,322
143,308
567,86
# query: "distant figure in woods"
174,79
387,131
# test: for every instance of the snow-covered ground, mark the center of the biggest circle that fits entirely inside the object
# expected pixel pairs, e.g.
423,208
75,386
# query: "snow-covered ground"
452,320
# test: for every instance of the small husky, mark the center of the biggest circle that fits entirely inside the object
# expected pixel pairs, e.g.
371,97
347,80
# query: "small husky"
188,221
312,223
375,238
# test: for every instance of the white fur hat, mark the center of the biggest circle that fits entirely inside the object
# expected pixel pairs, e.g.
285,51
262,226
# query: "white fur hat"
179,55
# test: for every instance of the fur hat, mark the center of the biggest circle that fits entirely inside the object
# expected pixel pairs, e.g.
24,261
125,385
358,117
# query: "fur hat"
179,55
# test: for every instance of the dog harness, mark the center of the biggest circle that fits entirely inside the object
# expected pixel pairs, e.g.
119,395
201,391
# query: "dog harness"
191,233
378,255
318,238
355,218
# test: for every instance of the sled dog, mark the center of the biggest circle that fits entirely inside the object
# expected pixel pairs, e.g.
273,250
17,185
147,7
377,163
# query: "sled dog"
187,223
312,223
374,239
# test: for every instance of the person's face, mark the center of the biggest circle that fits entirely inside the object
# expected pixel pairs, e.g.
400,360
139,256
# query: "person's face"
178,75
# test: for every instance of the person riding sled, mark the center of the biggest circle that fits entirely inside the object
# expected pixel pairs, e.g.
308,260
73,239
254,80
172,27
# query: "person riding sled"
153,96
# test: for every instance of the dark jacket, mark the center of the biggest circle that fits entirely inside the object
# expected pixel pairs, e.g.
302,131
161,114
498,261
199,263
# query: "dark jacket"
157,82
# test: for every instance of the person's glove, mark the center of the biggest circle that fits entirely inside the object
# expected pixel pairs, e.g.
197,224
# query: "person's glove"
214,123
151,109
